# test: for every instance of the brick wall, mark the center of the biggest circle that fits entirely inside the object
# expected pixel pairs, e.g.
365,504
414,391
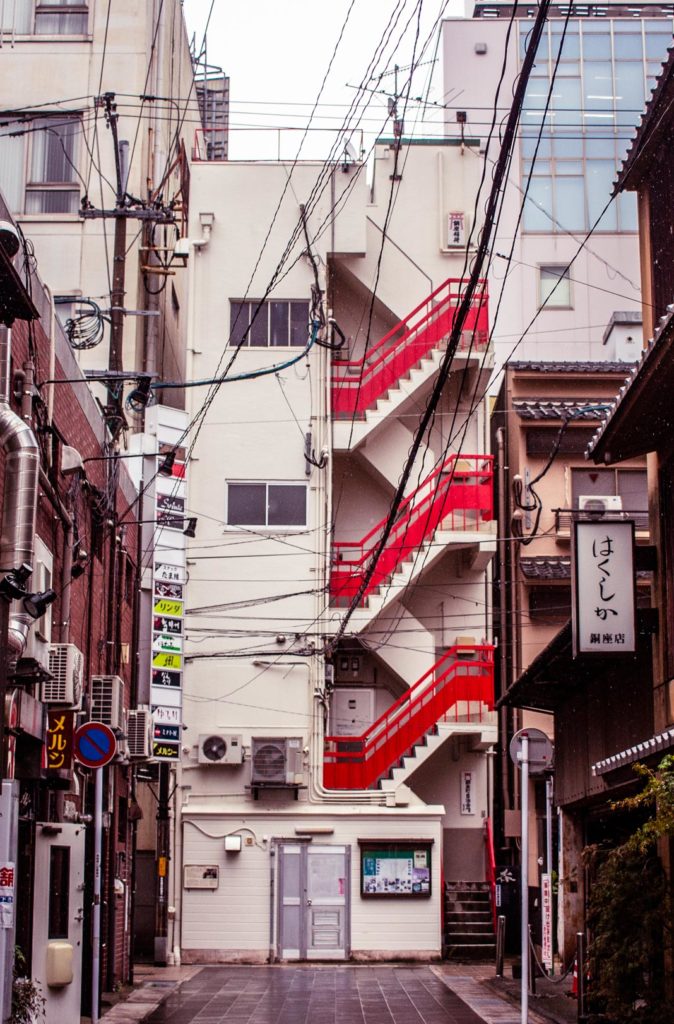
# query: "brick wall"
93,602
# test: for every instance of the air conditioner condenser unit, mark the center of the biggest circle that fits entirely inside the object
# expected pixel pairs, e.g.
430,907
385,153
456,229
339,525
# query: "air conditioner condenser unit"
66,664
220,748
600,503
277,761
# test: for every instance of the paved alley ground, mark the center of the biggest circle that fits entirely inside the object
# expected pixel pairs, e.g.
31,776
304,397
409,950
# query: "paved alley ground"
323,994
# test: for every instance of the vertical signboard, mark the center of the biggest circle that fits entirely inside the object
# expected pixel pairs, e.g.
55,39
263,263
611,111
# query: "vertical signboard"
59,746
168,586
604,600
467,797
546,921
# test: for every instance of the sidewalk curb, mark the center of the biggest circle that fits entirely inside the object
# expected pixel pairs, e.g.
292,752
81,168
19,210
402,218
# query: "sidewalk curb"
147,995
534,1004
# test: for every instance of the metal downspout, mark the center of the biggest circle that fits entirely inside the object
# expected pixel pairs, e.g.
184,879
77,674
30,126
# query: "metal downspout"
22,466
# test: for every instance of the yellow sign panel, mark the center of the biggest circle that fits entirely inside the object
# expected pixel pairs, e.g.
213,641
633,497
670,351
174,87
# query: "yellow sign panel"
165,660
165,607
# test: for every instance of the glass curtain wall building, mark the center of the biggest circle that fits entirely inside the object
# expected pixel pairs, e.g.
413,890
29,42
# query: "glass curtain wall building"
606,70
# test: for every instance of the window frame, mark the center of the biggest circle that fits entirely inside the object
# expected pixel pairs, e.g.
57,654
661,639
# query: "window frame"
597,117
72,186
565,275
267,527
616,472
266,311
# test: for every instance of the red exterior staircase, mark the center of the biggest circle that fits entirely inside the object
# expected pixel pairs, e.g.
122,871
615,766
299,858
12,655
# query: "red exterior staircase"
457,688
358,384
457,495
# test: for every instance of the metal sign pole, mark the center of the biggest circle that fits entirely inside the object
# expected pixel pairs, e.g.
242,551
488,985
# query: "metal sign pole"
524,874
96,914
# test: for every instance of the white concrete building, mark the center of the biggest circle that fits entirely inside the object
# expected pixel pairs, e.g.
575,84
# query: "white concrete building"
326,793
57,160
609,59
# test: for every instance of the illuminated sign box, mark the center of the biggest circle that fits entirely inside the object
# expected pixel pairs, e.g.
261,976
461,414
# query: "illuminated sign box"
604,587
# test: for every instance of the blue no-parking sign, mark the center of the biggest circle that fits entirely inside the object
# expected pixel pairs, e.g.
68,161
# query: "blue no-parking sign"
95,744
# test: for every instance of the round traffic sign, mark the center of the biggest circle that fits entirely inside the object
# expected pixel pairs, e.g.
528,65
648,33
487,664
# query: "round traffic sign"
95,744
541,750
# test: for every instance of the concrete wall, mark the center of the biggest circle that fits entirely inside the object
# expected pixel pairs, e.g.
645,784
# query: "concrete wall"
233,922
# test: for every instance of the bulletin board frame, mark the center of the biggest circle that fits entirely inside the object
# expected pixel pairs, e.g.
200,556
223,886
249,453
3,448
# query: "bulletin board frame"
396,869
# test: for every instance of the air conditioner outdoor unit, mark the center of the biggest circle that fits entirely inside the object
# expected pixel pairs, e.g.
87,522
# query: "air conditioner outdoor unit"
277,761
66,664
220,748
107,701
600,503
139,732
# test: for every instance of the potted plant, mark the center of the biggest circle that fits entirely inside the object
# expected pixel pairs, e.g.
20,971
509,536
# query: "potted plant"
28,1003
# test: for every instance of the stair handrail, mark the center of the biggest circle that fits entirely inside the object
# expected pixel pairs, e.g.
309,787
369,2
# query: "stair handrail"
403,326
490,867
416,504
476,669
416,687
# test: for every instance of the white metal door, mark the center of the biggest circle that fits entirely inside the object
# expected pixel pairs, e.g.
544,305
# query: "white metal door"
314,901
327,902
58,911
353,711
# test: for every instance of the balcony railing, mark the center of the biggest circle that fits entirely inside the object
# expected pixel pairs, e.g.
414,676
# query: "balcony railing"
210,144
357,384
564,518
458,495
458,688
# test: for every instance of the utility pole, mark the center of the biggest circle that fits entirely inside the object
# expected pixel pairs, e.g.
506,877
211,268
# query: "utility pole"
115,359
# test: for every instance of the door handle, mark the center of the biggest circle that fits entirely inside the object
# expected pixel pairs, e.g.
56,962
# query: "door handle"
79,915
308,903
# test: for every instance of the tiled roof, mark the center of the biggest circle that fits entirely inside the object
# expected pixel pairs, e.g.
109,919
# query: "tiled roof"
556,567
660,337
657,744
555,409
640,136
591,366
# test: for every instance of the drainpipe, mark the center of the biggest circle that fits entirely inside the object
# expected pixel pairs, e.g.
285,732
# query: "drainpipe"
67,559
22,465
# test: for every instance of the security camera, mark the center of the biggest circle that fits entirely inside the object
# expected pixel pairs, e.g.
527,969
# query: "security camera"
9,238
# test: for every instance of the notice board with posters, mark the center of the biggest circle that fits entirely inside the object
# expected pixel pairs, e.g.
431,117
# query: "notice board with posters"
400,868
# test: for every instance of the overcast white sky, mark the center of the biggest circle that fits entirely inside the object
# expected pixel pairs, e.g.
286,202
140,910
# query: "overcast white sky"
276,53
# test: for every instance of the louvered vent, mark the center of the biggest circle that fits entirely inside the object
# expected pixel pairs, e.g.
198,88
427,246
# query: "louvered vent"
138,732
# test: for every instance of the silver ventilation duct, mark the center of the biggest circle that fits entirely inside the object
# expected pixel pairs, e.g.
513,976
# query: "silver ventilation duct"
22,468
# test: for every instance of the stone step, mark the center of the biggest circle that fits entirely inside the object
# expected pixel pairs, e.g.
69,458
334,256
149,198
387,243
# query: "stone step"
472,927
467,887
468,951
477,915
467,906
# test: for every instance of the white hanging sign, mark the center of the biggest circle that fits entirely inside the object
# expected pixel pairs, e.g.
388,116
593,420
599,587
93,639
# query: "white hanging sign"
604,605
467,806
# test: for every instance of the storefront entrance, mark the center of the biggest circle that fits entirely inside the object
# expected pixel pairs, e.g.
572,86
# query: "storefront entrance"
313,902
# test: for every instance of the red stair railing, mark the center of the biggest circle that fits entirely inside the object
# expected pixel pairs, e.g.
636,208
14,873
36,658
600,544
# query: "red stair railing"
490,867
456,688
358,383
457,495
